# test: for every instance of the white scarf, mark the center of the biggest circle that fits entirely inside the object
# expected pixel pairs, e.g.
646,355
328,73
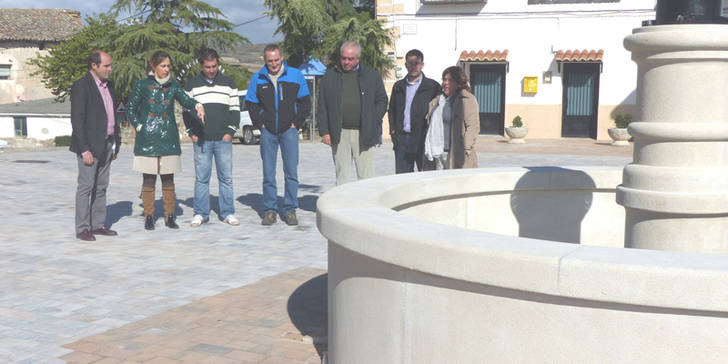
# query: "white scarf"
162,81
435,139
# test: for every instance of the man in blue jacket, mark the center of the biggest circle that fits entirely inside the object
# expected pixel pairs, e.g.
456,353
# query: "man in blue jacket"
278,102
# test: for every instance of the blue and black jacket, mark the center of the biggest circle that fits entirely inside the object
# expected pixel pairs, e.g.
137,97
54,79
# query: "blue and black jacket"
277,108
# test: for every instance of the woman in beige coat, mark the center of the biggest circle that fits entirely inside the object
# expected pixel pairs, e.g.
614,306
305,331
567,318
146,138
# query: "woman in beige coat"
453,124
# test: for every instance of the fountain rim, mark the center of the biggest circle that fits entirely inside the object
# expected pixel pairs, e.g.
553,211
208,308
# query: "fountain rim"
361,217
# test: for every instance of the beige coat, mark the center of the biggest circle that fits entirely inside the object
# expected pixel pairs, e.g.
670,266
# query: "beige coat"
464,130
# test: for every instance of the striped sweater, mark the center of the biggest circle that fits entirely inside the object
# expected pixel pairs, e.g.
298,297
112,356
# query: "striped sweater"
222,108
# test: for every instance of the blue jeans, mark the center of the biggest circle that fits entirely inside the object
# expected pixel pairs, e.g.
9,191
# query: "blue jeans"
222,151
269,142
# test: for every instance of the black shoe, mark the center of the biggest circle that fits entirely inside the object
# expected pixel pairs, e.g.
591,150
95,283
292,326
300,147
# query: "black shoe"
86,235
169,222
104,231
149,222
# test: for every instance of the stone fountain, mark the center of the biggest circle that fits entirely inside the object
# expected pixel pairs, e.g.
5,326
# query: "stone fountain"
532,265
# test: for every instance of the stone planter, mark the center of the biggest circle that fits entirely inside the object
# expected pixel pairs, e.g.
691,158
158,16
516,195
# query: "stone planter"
620,136
516,134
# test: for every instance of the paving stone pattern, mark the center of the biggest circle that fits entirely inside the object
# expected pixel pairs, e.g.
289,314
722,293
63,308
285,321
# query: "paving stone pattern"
57,291
277,319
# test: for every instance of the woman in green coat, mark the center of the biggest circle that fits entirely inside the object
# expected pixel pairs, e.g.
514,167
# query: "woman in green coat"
150,110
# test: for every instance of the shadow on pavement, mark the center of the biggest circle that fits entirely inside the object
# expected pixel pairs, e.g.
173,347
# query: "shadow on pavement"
159,209
308,310
115,212
214,205
310,188
255,202
308,202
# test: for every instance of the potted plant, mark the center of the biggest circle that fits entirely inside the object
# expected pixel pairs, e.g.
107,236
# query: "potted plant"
517,132
619,134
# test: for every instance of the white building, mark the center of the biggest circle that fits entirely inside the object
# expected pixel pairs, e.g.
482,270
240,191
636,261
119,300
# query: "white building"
559,64
39,119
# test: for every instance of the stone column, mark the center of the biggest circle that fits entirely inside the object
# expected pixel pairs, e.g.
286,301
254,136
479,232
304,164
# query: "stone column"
675,192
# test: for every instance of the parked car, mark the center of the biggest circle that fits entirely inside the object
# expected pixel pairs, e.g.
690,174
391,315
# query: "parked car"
246,133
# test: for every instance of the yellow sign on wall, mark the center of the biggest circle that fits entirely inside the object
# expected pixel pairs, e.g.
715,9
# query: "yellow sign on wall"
530,84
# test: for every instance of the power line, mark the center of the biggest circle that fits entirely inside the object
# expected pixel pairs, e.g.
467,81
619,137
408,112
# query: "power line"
133,16
234,26
250,21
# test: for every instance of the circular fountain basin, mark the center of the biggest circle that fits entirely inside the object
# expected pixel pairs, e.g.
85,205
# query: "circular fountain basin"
509,265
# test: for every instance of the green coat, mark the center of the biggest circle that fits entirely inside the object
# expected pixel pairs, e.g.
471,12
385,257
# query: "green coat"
151,106
373,105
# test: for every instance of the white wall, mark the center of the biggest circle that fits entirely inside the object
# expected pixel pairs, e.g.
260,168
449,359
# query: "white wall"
532,34
508,6
39,128
7,128
48,128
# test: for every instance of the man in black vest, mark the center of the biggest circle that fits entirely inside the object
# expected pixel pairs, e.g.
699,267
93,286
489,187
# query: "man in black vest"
407,110
96,140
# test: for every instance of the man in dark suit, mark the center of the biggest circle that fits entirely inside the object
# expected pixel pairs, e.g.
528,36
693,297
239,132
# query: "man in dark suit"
96,140
408,107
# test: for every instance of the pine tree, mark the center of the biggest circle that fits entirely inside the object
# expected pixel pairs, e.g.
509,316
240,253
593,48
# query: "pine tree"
179,27
159,25
66,61
318,28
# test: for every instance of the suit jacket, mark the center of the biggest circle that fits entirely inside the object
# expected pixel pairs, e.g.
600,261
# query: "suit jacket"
427,90
88,118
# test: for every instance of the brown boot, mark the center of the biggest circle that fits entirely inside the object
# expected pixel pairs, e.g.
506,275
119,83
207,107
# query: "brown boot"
148,202
169,204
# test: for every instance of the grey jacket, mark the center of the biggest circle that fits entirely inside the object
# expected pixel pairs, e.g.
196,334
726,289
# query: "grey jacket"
373,105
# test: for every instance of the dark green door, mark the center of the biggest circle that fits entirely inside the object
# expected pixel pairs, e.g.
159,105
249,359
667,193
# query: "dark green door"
489,87
580,100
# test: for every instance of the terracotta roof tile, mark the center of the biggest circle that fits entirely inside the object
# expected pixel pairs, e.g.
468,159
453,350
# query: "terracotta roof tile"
42,25
488,56
576,55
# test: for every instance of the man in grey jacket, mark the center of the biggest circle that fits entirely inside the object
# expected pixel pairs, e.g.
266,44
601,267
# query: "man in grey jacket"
352,102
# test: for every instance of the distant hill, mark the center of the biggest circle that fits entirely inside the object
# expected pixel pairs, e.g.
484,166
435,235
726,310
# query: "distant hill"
249,56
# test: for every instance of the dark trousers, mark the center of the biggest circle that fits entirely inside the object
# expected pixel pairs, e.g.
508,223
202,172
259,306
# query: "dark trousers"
405,162
91,191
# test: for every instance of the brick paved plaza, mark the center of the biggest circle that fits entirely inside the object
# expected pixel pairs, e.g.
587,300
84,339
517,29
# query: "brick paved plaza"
211,294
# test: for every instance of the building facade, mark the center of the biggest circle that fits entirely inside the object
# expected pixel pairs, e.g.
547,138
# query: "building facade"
559,64
25,34
38,120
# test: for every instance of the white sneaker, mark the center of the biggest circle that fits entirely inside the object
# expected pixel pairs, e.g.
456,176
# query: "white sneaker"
197,220
232,220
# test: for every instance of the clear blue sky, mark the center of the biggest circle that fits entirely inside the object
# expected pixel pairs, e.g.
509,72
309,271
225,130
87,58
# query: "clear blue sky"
237,11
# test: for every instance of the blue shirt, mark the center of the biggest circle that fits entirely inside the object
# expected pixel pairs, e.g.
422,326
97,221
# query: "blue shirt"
409,96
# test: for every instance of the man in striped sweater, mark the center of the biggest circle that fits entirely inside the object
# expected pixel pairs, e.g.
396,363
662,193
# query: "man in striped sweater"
213,137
